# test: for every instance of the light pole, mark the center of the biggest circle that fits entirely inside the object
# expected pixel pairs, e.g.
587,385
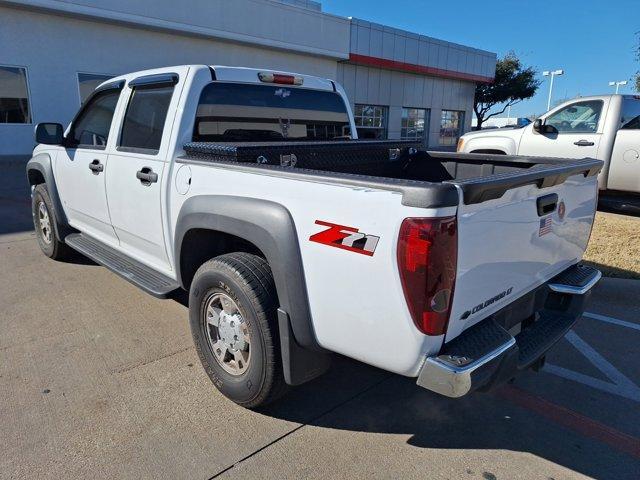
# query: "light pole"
552,74
617,84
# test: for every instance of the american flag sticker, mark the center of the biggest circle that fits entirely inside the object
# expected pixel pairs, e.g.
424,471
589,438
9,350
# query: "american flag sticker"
545,226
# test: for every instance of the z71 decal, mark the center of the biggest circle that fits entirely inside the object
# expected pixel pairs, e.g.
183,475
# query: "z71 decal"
347,238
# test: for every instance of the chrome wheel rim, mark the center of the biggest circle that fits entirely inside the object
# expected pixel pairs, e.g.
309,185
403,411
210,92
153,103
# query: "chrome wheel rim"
44,223
227,334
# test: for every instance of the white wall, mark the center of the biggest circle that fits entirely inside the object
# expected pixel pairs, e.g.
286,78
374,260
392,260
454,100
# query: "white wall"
266,22
55,48
375,86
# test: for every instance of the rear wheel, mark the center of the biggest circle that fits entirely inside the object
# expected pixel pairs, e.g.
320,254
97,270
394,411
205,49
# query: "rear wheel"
232,312
44,221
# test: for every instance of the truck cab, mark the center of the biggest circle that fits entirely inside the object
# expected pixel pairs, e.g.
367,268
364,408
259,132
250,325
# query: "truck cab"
606,127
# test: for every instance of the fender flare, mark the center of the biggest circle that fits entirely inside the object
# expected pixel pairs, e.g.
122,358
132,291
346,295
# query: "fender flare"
270,227
42,164
507,145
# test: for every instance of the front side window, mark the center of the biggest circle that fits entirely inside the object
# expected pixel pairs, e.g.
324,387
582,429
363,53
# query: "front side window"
582,117
371,121
451,124
413,124
14,97
88,82
630,119
145,118
91,127
235,112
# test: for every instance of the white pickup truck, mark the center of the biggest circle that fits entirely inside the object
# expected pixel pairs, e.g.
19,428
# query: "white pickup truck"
606,127
245,188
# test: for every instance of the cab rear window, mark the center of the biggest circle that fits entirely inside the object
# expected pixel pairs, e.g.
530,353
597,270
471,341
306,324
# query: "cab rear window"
236,112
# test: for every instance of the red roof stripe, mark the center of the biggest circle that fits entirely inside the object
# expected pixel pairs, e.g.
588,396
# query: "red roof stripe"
413,68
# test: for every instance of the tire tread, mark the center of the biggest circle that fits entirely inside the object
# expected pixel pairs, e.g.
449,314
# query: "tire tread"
254,275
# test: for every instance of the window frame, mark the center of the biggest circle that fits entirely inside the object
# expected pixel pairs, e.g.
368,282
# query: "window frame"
461,121
112,86
150,86
426,126
78,73
29,97
600,117
385,117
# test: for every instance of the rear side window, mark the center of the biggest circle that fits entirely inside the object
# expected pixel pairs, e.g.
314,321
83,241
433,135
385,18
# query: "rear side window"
630,119
145,118
91,128
235,112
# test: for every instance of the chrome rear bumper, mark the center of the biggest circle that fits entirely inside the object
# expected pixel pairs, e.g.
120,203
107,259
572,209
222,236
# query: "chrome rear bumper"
487,354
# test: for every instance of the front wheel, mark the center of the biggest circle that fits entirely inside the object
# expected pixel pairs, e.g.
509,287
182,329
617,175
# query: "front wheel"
232,313
44,222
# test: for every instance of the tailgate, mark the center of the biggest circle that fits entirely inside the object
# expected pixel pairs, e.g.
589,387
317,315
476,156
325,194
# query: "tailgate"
509,245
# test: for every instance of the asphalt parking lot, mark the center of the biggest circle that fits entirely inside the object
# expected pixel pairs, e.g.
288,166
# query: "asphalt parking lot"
99,380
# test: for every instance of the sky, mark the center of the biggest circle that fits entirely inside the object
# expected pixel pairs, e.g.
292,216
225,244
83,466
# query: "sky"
592,41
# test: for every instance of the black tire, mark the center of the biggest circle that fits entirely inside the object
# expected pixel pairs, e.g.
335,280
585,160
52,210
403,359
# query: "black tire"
248,281
49,243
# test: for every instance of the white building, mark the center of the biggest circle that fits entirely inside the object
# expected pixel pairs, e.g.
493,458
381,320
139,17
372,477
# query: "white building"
53,52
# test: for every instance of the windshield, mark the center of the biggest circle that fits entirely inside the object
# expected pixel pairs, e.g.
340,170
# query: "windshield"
237,112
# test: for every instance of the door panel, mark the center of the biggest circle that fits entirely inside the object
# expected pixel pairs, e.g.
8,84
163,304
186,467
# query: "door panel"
578,132
136,173
135,206
82,191
624,169
81,166
567,145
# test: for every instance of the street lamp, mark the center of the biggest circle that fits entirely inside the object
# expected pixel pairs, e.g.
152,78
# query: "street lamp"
617,84
552,74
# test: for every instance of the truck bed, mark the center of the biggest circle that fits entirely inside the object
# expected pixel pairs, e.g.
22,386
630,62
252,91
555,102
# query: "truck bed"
397,165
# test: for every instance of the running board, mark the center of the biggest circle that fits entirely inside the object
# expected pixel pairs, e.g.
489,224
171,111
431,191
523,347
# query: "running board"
131,270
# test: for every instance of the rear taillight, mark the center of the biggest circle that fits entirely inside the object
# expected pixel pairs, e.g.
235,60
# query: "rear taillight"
427,259
281,78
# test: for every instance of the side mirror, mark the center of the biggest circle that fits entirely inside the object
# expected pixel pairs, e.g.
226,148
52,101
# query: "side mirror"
537,125
540,127
49,133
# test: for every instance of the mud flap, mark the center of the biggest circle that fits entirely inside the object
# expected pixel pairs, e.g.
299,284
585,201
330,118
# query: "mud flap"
299,364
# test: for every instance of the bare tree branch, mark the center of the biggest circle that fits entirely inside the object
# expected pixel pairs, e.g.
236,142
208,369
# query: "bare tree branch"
507,105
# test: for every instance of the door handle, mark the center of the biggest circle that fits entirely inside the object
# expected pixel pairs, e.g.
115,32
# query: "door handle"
547,204
147,176
584,143
96,167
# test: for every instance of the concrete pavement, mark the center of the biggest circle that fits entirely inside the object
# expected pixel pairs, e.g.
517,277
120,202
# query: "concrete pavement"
98,379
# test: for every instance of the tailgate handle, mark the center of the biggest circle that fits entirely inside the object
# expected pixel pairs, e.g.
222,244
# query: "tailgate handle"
547,204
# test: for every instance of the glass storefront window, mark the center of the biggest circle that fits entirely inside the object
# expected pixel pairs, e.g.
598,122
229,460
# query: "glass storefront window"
14,95
371,121
414,123
88,82
451,124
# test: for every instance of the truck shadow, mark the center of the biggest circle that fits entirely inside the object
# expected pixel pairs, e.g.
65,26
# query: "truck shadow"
359,398
614,272
621,204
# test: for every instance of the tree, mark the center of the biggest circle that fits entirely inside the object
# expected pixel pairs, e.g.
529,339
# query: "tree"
512,84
